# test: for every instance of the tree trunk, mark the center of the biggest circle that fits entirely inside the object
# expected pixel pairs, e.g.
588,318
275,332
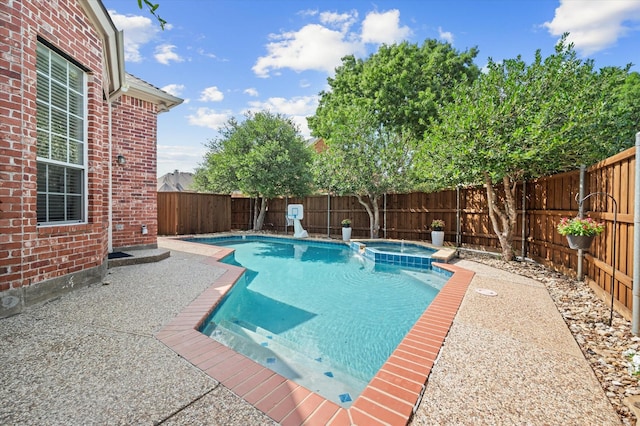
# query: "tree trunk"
259,221
371,206
503,218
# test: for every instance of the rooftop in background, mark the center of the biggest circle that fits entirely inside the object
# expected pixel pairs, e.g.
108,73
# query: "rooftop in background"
176,182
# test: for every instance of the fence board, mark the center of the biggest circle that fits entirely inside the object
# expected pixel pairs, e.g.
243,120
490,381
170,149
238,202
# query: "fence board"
181,213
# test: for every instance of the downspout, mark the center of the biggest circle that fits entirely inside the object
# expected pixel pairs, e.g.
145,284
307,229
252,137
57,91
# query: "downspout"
579,271
635,315
110,168
110,99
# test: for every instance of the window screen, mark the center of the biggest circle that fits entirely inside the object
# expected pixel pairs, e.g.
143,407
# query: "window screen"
61,145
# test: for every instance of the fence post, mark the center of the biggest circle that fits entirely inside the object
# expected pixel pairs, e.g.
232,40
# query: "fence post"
458,227
286,210
328,215
635,309
523,247
384,212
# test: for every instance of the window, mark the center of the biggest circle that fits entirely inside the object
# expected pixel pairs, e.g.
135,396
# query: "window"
61,121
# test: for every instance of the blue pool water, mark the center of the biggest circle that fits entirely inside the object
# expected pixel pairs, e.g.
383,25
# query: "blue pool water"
318,313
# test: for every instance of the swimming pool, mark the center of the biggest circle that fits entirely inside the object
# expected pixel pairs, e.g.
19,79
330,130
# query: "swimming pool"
285,311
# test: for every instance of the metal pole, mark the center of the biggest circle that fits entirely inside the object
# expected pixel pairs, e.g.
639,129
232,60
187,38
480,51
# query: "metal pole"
458,236
523,249
384,215
613,242
635,314
328,215
286,215
580,272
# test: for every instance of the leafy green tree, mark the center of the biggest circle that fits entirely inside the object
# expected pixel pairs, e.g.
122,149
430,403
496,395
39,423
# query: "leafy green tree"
364,159
629,108
521,121
400,84
263,157
375,112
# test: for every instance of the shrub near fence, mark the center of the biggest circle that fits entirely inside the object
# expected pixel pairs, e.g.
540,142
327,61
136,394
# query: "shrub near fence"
407,216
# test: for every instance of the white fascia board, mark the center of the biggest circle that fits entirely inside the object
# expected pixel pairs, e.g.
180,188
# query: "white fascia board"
145,92
113,45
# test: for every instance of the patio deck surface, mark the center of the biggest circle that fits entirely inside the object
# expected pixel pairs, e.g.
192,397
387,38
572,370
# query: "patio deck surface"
97,355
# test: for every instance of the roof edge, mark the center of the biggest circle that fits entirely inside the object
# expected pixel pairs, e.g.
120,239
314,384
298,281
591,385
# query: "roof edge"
113,44
139,89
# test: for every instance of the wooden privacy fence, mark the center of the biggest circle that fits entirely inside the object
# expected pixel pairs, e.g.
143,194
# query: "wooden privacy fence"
182,213
541,205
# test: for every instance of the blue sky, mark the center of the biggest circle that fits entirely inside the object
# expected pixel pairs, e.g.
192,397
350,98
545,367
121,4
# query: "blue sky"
227,57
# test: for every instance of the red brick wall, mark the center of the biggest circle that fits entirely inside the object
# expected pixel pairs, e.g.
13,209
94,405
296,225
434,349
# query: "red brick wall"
135,182
31,254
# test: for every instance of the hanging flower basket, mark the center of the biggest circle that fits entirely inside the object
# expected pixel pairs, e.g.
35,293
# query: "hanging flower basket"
580,242
580,232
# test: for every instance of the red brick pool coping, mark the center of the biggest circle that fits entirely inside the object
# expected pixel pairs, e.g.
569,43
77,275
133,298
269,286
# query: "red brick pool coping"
390,397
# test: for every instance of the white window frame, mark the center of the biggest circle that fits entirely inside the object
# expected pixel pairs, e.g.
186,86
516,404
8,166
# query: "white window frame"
66,144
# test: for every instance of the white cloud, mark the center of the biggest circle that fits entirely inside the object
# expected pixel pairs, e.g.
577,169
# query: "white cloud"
165,54
184,158
321,47
384,28
173,89
594,25
207,117
211,94
302,124
313,47
297,109
138,31
308,12
445,35
298,105
251,91
343,21
204,53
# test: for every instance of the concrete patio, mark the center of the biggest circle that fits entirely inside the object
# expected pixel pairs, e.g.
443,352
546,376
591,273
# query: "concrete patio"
90,357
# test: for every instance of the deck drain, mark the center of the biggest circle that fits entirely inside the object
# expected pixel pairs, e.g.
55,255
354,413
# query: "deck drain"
486,292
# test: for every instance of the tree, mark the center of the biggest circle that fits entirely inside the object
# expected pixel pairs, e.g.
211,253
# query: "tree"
376,111
522,121
629,107
364,159
400,84
152,7
263,157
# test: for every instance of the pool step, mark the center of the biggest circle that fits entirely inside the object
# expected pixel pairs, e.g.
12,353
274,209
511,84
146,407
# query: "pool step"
263,337
315,373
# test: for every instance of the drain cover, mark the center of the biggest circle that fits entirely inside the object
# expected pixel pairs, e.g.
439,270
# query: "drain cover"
486,292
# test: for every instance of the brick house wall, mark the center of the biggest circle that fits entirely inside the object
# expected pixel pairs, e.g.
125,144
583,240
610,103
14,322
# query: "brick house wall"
41,262
134,183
